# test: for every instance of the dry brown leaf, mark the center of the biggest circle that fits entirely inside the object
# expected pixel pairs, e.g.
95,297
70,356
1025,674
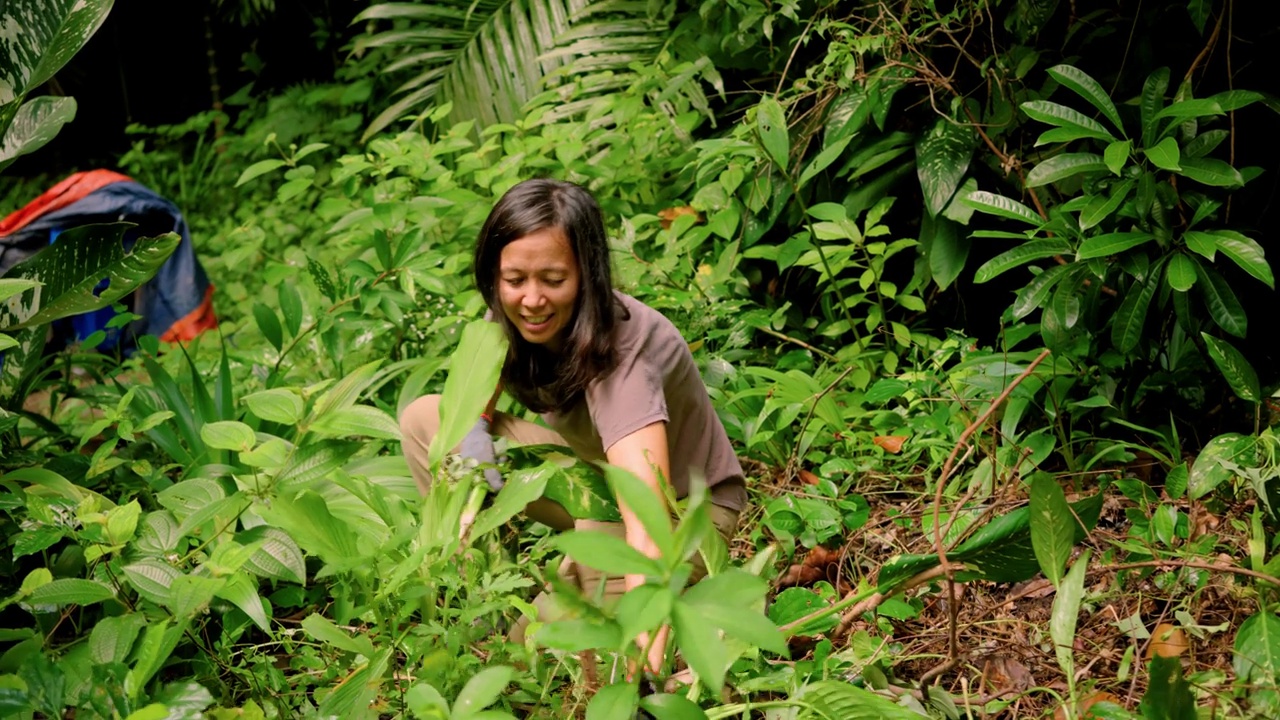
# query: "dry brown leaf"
669,215
819,563
800,575
1003,674
807,477
1168,641
891,443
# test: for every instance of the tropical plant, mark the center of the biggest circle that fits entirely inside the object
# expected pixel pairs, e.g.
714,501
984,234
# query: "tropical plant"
42,37
1143,222
489,58
63,279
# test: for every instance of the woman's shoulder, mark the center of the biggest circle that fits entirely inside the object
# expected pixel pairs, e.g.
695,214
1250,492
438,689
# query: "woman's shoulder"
642,324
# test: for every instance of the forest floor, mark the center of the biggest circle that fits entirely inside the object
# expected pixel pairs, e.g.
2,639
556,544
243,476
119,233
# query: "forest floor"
990,646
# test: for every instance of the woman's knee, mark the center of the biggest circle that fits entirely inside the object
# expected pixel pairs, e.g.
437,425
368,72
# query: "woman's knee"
421,419
420,422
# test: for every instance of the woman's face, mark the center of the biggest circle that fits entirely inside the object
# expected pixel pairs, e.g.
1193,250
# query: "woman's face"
538,282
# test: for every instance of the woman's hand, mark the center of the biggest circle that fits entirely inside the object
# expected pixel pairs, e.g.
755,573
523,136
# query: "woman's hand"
478,445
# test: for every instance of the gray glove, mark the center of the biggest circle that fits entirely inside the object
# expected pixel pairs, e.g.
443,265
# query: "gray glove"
478,445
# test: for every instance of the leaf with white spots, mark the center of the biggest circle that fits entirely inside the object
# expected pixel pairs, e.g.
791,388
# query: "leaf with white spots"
72,270
38,37
34,125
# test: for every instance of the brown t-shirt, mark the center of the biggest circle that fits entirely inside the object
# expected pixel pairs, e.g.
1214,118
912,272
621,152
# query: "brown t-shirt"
656,379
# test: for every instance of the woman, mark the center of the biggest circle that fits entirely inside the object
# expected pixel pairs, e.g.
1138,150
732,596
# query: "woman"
612,377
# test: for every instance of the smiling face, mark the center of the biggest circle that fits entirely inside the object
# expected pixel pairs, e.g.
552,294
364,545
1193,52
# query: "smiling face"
538,281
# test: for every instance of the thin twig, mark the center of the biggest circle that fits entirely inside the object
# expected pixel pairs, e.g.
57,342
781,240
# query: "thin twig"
782,336
804,35
1190,564
942,483
795,453
1204,52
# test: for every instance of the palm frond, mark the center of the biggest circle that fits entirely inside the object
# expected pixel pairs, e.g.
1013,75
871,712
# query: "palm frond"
490,58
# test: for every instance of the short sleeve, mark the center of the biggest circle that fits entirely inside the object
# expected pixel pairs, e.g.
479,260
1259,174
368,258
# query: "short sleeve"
632,395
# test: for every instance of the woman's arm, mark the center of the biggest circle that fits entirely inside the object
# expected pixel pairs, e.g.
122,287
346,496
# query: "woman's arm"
644,453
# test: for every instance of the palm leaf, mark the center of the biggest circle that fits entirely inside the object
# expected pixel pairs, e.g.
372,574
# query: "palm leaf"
489,58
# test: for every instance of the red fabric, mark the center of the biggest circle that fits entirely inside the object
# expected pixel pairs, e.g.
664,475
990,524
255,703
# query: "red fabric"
59,196
194,322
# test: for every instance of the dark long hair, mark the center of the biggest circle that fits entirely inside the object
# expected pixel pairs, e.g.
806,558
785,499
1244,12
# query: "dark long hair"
540,379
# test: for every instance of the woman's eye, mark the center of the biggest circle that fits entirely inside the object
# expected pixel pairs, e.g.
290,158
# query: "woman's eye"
555,283
513,282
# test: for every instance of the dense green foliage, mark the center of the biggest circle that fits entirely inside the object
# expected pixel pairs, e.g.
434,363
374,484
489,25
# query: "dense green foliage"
230,528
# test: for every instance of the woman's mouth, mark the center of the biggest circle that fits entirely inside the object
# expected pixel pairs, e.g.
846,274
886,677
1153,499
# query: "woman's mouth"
536,322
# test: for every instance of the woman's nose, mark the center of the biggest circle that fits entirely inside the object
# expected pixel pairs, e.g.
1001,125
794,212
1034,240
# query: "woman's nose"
533,296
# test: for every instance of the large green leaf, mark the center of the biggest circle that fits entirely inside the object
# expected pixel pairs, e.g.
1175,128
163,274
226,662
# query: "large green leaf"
1101,207
1052,526
1036,292
481,691
70,591
36,123
1000,551
583,493
771,123
645,504
1246,253
1164,154
1060,167
112,637
71,268
1131,318
607,553
307,520
313,462
489,57
1065,117
1168,695
38,37
1239,374
1111,244
580,488
942,158
1224,307
472,380
1211,171
1002,206
1086,87
354,696
522,486
836,700
277,557
946,248
1066,611
614,702
1151,102
1257,650
1216,463
1021,255
1181,273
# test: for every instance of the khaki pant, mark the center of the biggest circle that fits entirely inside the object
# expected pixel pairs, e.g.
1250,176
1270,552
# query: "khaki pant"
421,421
